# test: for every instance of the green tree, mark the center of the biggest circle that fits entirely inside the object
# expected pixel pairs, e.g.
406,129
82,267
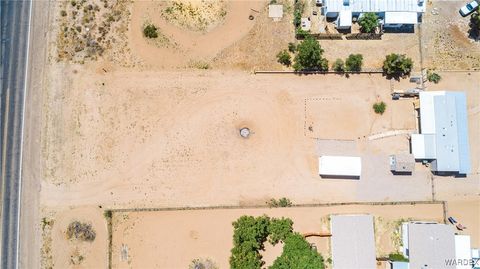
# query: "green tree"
309,56
475,24
249,235
354,62
284,58
298,254
397,65
368,22
379,107
279,229
338,65
150,31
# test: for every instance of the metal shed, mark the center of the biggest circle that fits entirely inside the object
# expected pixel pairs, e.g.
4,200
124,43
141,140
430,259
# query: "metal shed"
402,163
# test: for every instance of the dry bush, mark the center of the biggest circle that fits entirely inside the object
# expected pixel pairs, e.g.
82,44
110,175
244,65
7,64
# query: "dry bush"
81,231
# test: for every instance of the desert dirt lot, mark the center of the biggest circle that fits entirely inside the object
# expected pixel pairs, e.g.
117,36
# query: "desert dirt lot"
208,233
136,130
170,138
445,39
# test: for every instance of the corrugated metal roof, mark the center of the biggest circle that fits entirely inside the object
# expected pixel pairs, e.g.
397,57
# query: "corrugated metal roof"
444,115
353,242
375,5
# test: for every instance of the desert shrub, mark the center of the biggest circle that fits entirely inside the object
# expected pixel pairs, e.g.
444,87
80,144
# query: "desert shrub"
298,254
202,264
379,107
433,77
309,56
150,31
63,13
284,58
282,202
354,62
81,231
292,47
368,22
397,65
338,66
397,257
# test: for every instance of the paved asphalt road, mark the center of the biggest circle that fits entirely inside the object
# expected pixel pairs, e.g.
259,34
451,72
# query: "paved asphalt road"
15,19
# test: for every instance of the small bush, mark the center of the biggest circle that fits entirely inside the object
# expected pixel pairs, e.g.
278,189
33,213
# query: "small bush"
433,77
397,65
63,13
397,257
368,22
338,66
202,264
354,63
284,58
379,107
150,31
81,231
282,202
292,47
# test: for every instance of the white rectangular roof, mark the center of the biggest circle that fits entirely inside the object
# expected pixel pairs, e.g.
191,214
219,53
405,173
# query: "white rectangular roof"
345,18
423,146
430,245
427,111
401,17
463,251
340,166
353,241
375,5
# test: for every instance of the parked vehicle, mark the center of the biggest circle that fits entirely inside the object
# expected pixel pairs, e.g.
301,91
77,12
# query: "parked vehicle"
469,8
452,220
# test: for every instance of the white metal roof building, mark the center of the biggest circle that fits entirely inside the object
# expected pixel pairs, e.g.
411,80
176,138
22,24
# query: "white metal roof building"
429,245
444,132
340,166
394,12
463,252
377,6
353,242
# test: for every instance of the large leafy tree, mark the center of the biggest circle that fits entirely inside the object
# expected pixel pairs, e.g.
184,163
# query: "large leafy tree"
368,22
397,65
354,62
298,254
249,235
309,56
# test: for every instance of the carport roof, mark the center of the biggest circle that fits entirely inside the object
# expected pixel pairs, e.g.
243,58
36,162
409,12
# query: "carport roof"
353,241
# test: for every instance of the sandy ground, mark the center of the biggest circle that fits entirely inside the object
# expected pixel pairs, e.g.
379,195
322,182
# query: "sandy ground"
196,235
66,252
186,47
401,43
140,140
445,40
143,137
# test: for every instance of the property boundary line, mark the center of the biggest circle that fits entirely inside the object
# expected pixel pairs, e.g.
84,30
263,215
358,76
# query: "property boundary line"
188,208
192,208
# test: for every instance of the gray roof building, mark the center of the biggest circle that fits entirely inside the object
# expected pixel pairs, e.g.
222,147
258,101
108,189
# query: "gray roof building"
444,132
429,245
353,242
